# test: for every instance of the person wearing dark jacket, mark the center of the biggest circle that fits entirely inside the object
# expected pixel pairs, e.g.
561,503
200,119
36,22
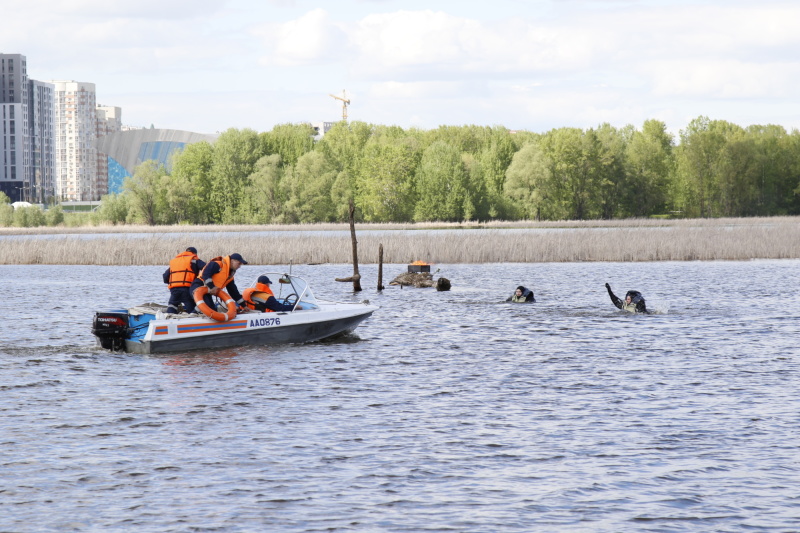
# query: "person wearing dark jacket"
521,296
218,275
261,298
182,271
633,303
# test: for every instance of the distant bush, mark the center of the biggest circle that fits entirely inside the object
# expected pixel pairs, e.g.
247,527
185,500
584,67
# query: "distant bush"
54,216
6,214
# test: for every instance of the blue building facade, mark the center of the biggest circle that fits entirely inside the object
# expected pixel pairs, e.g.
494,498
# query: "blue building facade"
128,149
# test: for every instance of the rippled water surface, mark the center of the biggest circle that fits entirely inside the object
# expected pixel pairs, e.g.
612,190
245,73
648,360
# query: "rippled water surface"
448,411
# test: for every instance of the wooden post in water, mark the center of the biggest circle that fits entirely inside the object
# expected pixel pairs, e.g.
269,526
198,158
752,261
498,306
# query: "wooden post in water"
380,267
356,277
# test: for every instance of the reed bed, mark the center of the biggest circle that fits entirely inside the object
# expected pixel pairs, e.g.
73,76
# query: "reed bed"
325,226
645,240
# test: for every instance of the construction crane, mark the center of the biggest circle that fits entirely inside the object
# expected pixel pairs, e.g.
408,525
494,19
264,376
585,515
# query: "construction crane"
345,103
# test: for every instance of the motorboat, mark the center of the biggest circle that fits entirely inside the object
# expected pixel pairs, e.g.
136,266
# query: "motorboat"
148,329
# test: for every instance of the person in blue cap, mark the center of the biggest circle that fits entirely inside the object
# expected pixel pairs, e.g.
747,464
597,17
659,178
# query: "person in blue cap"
218,275
261,298
182,271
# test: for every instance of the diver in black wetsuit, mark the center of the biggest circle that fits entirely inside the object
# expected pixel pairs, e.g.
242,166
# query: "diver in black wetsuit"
522,296
633,303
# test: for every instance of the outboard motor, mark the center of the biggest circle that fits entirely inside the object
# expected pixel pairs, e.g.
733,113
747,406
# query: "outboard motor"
111,328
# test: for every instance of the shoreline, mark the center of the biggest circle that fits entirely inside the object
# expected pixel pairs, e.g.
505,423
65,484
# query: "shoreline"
390,226
569,241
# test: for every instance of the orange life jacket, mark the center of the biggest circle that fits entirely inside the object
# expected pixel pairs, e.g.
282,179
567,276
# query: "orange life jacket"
180,270
261,292
224,276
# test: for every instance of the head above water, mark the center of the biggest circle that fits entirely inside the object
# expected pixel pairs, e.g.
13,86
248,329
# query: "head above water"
634,297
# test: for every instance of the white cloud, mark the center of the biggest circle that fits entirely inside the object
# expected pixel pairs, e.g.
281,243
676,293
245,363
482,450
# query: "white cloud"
413,90
144,9
526,64
724,79
429,43
310,39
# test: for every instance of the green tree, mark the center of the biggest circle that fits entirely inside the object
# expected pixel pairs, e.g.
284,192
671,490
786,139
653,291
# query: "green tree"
343,146
610,173
308,185
179,199
384,185
648,162
54,216
28,217
477,203
145,193
289,141
700,168
6,214
777,168
113,208
530,185
265,196
441,184
495,158
234,160
193,165
575,168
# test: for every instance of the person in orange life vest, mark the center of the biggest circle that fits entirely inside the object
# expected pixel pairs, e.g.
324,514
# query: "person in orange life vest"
182,271
217,275
261,297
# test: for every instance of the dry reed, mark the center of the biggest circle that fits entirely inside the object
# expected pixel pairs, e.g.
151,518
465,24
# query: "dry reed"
632,240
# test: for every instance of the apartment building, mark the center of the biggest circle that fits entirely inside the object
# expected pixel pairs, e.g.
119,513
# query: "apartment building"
15,146
75,135
27,165
42,132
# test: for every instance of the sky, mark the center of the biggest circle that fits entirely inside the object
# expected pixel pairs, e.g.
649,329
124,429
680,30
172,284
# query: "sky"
209,65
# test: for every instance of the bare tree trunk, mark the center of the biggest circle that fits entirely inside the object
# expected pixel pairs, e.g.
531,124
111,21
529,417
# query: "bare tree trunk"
380,267
356,277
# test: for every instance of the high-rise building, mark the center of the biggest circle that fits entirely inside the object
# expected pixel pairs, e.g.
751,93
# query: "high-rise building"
27,165
42,133
109,120
15,143
76,132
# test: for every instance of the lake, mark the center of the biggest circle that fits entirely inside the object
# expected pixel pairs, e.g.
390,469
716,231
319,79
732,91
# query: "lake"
445,411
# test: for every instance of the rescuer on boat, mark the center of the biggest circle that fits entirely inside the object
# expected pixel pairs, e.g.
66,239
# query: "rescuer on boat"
261,298
522,296
182,271
633,303
218,276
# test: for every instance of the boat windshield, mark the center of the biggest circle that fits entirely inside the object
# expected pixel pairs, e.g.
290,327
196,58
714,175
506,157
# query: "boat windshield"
287,286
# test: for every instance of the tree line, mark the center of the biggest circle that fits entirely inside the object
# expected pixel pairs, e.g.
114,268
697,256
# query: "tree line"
457,173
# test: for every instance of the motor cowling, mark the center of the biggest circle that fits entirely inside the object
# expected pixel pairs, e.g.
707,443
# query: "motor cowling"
111,329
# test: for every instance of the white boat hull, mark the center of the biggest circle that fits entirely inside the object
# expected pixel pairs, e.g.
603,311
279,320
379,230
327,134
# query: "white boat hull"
146,329
171,335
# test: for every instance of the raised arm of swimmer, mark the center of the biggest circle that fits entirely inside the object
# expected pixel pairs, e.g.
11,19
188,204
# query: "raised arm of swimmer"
633,303
616,301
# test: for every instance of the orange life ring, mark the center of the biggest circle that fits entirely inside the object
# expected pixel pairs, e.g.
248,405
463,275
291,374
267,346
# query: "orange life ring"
212,313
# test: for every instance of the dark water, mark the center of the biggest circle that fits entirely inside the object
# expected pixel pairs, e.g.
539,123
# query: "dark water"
445,412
